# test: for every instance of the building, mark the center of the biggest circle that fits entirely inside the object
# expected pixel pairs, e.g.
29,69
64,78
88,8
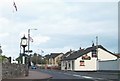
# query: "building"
53,60
86,59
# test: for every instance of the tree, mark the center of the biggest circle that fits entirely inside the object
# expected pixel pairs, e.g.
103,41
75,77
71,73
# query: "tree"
37,59
3,58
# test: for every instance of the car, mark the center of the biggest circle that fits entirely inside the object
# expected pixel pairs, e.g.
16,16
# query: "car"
33,67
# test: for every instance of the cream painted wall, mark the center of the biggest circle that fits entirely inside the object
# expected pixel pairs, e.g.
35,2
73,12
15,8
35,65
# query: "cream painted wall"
59,56
103,55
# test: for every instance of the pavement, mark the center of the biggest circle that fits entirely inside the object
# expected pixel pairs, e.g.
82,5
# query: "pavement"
35,74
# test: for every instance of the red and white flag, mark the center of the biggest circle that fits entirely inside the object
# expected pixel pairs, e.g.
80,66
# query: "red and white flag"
14,4
30,39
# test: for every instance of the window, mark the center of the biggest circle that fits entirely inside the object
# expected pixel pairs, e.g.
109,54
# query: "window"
94,53
82,63
69,64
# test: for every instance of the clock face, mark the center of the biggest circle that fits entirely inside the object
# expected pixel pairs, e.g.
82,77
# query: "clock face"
24,42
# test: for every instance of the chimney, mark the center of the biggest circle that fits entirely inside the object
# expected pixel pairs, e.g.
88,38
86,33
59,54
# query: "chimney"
80,48
93,44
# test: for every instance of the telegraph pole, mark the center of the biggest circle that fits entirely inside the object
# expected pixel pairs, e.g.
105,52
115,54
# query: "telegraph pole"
97,53
97,46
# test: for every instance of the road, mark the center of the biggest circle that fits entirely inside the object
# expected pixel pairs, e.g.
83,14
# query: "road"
81,76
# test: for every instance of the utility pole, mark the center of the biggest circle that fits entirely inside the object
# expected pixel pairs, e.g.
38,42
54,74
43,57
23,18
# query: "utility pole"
28,40
97,53
97,46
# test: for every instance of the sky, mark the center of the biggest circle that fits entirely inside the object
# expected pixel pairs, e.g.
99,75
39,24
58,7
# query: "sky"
61,25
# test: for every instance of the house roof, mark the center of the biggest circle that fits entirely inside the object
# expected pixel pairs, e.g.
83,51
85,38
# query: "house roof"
66,54
47,56
117,55
82,52
53,55
74,55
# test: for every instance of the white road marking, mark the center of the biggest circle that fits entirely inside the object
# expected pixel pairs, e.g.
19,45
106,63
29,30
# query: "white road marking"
88,77
76,75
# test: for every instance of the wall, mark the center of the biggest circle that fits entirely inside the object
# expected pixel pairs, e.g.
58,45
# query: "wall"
14,70
63,65
103,55
89,65
113,65
57,59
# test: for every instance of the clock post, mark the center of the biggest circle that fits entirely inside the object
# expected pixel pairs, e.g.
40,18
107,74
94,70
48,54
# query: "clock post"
23,44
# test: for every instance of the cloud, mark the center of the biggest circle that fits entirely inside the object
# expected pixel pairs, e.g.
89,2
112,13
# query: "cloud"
57,50
61,24
4,35
40,39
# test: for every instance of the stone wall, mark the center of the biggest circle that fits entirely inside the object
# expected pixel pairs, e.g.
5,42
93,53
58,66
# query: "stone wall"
10,71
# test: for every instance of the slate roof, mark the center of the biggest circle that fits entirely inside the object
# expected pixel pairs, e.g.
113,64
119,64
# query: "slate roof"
117,55
53,55
47,56
66,55
74,55
82,52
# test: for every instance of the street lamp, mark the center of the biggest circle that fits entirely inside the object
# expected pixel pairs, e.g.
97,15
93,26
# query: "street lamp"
29,39
29,45
24,44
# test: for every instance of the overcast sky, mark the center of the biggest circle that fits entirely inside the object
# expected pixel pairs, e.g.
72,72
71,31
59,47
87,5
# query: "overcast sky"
61,25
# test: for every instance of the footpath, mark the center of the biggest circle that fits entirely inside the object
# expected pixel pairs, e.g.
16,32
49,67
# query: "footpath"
36,75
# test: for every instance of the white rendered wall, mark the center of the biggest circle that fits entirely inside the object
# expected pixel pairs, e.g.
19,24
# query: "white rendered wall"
90,65
103,55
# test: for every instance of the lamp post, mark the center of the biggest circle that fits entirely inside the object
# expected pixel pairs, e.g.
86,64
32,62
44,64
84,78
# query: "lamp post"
23,44
29,39
29,45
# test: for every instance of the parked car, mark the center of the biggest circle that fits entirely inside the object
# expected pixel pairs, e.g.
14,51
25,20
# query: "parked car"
33,67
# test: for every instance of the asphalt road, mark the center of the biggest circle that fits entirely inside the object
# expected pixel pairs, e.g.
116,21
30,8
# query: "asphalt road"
81,76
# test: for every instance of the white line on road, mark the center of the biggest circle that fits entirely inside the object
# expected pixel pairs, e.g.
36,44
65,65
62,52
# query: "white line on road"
67,74
88,77
76,75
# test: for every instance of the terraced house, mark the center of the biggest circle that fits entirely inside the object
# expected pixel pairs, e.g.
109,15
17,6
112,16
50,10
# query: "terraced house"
54,59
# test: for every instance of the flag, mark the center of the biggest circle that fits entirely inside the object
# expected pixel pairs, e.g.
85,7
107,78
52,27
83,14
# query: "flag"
30,39
15,6
42,51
